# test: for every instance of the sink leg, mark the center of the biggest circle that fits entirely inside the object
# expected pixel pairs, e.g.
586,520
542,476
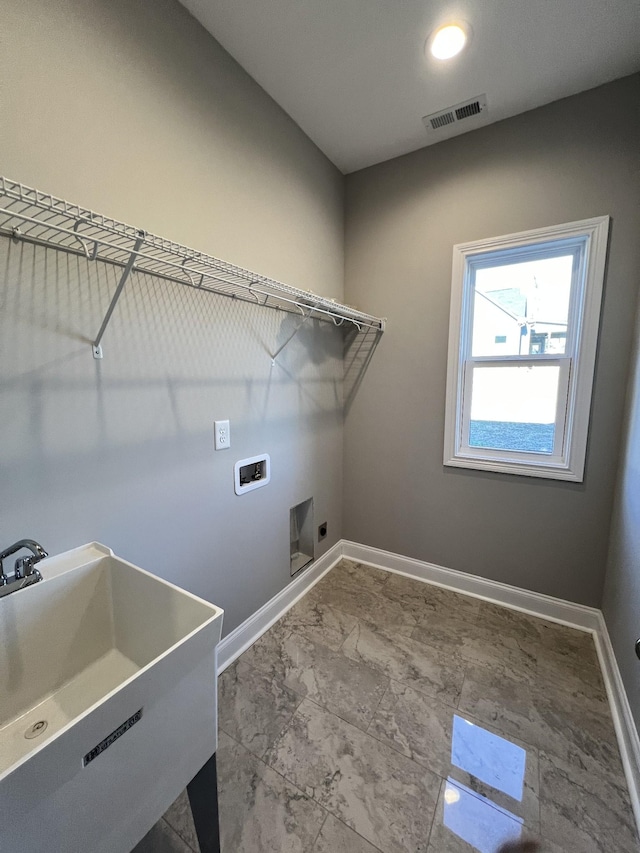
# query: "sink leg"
203,797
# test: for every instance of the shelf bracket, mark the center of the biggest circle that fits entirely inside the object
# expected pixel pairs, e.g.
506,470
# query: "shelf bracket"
123,280
294,333
91,255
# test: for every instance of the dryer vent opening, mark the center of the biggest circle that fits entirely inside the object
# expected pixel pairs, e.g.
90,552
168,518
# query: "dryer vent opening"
301,535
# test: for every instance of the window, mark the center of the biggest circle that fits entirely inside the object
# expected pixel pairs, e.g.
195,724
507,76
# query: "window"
522,346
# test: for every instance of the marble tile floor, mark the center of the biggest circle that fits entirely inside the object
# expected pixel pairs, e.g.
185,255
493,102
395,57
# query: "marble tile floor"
386,715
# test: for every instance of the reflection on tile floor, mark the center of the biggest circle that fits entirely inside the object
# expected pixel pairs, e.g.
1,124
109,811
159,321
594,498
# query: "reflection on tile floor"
385,715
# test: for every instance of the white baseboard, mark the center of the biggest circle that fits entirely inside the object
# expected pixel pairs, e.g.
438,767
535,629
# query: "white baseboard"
628,739
554,609
239,640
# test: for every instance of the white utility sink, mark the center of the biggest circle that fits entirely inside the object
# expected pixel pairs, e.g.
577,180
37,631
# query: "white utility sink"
107,703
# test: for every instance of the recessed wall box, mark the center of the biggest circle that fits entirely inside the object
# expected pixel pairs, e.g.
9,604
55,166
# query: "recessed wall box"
250,474
301,547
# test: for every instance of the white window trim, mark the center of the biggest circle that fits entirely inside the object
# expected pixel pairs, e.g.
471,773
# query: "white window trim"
570,463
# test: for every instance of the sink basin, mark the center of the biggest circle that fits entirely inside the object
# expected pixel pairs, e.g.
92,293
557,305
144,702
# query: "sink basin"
107,702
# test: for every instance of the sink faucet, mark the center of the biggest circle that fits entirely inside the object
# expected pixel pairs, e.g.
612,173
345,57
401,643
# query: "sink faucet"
25,572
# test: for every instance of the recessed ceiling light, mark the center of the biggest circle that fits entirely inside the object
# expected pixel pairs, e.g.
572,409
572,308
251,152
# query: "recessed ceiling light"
448,41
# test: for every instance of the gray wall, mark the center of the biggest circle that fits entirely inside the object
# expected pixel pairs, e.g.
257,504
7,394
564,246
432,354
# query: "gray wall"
129,107
622,586
573,159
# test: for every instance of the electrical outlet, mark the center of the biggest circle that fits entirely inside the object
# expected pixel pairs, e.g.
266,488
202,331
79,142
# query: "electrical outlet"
222,434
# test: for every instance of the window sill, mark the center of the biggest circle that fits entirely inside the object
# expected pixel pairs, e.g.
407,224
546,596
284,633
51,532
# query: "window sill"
503,466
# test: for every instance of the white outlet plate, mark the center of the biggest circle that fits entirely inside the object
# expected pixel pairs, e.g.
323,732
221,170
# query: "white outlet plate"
222,435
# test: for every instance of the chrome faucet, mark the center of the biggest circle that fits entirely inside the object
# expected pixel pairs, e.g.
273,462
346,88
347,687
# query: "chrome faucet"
25,572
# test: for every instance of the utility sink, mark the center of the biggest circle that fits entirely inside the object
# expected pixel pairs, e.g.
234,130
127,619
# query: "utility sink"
107,702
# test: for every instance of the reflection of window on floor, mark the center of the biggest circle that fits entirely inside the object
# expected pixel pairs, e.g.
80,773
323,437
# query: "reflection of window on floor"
479,822
498,763
488,757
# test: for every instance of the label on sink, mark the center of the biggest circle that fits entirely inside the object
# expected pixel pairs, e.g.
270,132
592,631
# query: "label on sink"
112,738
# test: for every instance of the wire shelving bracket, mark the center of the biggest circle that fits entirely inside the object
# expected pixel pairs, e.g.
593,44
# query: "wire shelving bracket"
39,218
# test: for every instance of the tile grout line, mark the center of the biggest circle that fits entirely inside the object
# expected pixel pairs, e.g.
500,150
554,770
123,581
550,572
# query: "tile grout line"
464,678
285,728
476,721
176,833
550,757
281,684
539,796
435,812
442,782
313,798
371,843
365,666
299,696
277,772
175,830
376,669
417,764
482,797
341,646
375,710
315,840
335,714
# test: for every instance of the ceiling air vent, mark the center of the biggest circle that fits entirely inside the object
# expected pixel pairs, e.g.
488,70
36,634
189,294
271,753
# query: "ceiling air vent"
441,119
474,108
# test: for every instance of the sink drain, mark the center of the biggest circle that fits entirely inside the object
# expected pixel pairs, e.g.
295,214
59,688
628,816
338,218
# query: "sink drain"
36,729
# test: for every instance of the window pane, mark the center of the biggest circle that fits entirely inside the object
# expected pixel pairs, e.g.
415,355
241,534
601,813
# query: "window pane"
514,408
522,308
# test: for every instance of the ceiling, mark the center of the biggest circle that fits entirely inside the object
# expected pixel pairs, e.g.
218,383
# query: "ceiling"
354,76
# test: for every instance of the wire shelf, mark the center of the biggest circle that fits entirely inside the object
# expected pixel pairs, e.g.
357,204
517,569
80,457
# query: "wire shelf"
39,218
